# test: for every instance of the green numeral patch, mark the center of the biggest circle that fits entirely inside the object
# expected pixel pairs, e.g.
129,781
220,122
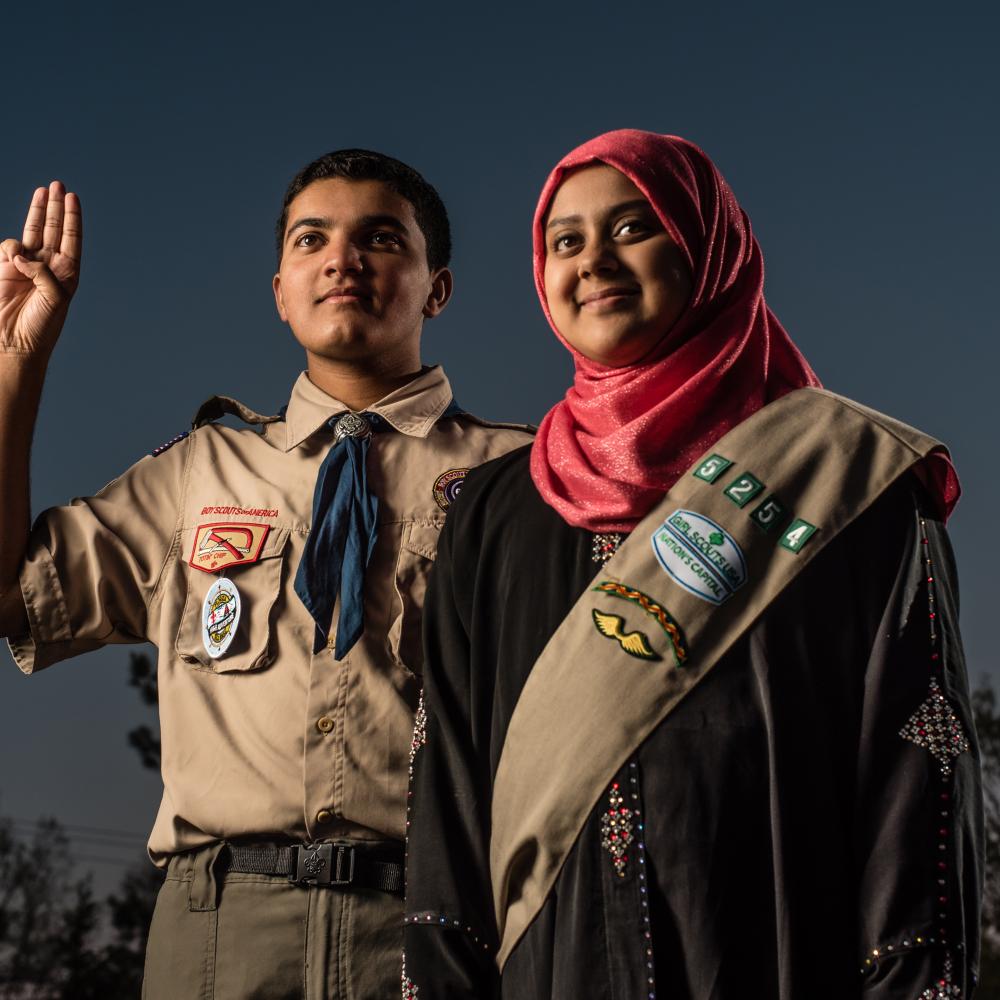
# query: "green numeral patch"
712,468
742,490
769,514
799,532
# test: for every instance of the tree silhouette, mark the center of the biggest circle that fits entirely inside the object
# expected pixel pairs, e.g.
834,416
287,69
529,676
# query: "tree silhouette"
57,943
142,739
987,715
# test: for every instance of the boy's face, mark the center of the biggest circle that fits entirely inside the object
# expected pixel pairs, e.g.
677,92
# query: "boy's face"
354,284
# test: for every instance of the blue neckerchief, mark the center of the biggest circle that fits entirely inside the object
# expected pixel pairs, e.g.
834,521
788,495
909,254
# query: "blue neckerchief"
342,537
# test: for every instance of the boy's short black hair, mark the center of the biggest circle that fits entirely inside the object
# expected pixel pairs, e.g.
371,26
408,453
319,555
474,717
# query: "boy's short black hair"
364,165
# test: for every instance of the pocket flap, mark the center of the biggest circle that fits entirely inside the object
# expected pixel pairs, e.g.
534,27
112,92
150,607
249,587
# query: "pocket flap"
421,538
258,582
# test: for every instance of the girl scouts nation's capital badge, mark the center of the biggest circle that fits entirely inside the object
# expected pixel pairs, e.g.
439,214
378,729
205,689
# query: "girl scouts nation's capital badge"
220,615
448,485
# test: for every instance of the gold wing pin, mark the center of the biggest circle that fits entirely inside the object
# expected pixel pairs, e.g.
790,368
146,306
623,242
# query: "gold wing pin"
634,643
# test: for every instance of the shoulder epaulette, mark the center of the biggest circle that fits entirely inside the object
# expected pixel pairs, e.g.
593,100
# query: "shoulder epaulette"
219,406
497,424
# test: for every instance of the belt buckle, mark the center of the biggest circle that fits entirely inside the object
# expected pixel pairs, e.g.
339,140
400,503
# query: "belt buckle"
316,864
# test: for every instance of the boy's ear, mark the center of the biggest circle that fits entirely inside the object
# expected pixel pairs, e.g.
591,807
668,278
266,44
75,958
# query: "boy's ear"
278,300
442,284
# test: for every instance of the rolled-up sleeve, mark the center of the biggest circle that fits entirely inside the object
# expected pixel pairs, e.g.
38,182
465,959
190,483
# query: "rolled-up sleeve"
92,567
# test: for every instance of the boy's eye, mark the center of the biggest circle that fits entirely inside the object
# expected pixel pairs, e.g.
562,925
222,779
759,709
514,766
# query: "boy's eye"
383,238
308,240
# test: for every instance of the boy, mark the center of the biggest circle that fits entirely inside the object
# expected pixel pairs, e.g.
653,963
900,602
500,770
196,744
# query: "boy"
280,569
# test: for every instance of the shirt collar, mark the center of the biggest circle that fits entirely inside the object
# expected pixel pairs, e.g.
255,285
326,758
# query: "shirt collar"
411,409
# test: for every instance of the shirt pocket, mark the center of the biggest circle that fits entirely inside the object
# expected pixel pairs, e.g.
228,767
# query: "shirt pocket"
259,584
417,549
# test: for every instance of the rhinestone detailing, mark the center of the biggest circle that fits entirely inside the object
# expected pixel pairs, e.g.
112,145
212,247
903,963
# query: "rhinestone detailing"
419,731
935,727
944,988
603,547
410,990
418,740
617,830
640,856
901,947
429,918
351,425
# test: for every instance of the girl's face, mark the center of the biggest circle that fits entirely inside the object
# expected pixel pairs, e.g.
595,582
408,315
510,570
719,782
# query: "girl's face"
615,281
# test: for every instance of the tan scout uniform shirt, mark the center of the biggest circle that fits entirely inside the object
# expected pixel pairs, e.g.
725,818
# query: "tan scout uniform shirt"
269,739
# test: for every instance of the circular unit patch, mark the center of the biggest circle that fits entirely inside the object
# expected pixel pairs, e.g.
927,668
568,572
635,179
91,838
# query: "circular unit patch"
447,486
220,616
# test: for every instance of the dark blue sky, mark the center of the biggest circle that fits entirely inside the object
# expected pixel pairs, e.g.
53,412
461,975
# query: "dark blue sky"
857,137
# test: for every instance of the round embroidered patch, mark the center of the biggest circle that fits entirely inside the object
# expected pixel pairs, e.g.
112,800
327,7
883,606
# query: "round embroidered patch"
220,617
448,485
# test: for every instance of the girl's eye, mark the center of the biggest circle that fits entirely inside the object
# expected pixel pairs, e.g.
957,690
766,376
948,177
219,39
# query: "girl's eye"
631,227
566,241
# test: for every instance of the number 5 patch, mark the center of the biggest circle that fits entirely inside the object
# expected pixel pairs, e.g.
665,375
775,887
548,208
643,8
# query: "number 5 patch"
712,468
768,514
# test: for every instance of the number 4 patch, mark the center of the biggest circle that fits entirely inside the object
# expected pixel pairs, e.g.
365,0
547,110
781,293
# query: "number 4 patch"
799,532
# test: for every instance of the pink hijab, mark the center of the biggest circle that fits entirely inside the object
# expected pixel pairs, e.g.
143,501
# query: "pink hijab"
621,437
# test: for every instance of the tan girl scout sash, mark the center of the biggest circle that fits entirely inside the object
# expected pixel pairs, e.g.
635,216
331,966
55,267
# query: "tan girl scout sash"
695,574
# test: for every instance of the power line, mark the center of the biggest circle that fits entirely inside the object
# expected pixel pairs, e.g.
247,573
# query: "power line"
77,827
116,862
24,833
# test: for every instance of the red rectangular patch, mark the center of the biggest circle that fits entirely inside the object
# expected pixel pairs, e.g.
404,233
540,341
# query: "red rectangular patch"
227,543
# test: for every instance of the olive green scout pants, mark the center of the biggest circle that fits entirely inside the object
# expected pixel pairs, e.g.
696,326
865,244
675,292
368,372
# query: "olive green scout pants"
241,936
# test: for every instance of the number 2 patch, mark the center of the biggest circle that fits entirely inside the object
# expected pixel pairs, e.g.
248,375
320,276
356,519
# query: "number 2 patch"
743,489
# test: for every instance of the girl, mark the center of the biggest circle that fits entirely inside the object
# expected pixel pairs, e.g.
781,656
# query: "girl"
695,719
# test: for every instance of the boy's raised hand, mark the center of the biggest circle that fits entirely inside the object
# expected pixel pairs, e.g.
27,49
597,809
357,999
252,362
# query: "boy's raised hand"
39,273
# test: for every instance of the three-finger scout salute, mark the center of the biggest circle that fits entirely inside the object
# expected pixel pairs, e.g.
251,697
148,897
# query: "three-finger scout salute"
280,570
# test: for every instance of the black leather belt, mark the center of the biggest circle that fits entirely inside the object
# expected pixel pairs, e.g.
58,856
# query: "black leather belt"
335,866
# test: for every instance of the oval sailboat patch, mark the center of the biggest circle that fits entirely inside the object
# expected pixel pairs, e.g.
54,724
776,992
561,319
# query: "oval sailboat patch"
220,617
700,556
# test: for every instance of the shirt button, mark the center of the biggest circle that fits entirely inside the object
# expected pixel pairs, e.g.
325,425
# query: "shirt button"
325,724
324,816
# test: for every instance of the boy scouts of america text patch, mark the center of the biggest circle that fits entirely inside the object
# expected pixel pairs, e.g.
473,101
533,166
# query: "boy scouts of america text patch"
700,556
227,543
448,485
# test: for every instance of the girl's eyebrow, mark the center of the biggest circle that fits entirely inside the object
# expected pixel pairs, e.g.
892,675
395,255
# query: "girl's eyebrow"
570,220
